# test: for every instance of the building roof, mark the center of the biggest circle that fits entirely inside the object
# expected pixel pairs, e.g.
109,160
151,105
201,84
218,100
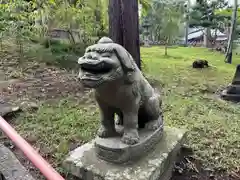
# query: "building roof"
194,35
221,38
192,30
198,32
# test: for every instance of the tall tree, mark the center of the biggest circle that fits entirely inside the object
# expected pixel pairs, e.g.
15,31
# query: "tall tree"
228,58
124,26
203,14
165,18
186,8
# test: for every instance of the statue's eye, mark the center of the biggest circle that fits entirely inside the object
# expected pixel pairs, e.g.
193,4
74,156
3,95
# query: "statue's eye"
88,56
106,55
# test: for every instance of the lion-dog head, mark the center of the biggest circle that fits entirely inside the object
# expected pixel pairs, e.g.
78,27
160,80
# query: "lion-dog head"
104,62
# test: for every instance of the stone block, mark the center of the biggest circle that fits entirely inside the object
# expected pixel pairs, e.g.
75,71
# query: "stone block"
155,165
10,167
232,92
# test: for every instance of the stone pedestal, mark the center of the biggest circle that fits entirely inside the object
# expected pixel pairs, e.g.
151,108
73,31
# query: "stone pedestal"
155,165
232,92
115,151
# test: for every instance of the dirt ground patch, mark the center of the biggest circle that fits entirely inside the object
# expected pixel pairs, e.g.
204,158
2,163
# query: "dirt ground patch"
43,83
189,168
36,83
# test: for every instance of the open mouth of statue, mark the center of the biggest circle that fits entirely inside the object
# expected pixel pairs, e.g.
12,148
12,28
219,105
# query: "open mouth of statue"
99,68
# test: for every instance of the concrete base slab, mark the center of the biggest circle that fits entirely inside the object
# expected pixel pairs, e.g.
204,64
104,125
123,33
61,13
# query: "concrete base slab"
230,97
10,167
155,165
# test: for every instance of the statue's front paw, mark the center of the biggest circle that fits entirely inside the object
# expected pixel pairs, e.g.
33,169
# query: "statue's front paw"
119,121
154,125
130,137
105,133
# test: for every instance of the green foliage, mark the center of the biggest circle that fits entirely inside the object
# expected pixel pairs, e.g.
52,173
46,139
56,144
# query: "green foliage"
170,23
146,5
204,14
165,19
15,23
33,20
57,53
227,13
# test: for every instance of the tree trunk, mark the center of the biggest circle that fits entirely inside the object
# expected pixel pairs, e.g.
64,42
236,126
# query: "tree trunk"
124,26
228,57
187,23
165,47
186,35
1,44
206,36
72,40
99,21
165,50
214,39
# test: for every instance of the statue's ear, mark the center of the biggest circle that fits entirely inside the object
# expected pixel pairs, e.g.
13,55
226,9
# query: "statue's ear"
125,59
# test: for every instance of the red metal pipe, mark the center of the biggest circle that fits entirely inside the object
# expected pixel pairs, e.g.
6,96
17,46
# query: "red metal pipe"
45,168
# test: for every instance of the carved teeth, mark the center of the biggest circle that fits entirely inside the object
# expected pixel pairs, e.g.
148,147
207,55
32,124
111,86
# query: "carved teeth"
95,68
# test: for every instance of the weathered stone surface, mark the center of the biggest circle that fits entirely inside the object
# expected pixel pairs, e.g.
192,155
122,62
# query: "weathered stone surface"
232,92
156,165
7,109
28,106
10,167
114,150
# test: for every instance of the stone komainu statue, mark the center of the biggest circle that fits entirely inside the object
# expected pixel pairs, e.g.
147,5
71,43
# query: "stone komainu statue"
120,88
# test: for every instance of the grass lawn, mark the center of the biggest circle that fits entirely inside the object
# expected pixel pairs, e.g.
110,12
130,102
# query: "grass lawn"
189,102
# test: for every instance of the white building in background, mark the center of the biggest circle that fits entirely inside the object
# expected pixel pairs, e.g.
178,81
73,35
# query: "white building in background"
232,1
229,1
